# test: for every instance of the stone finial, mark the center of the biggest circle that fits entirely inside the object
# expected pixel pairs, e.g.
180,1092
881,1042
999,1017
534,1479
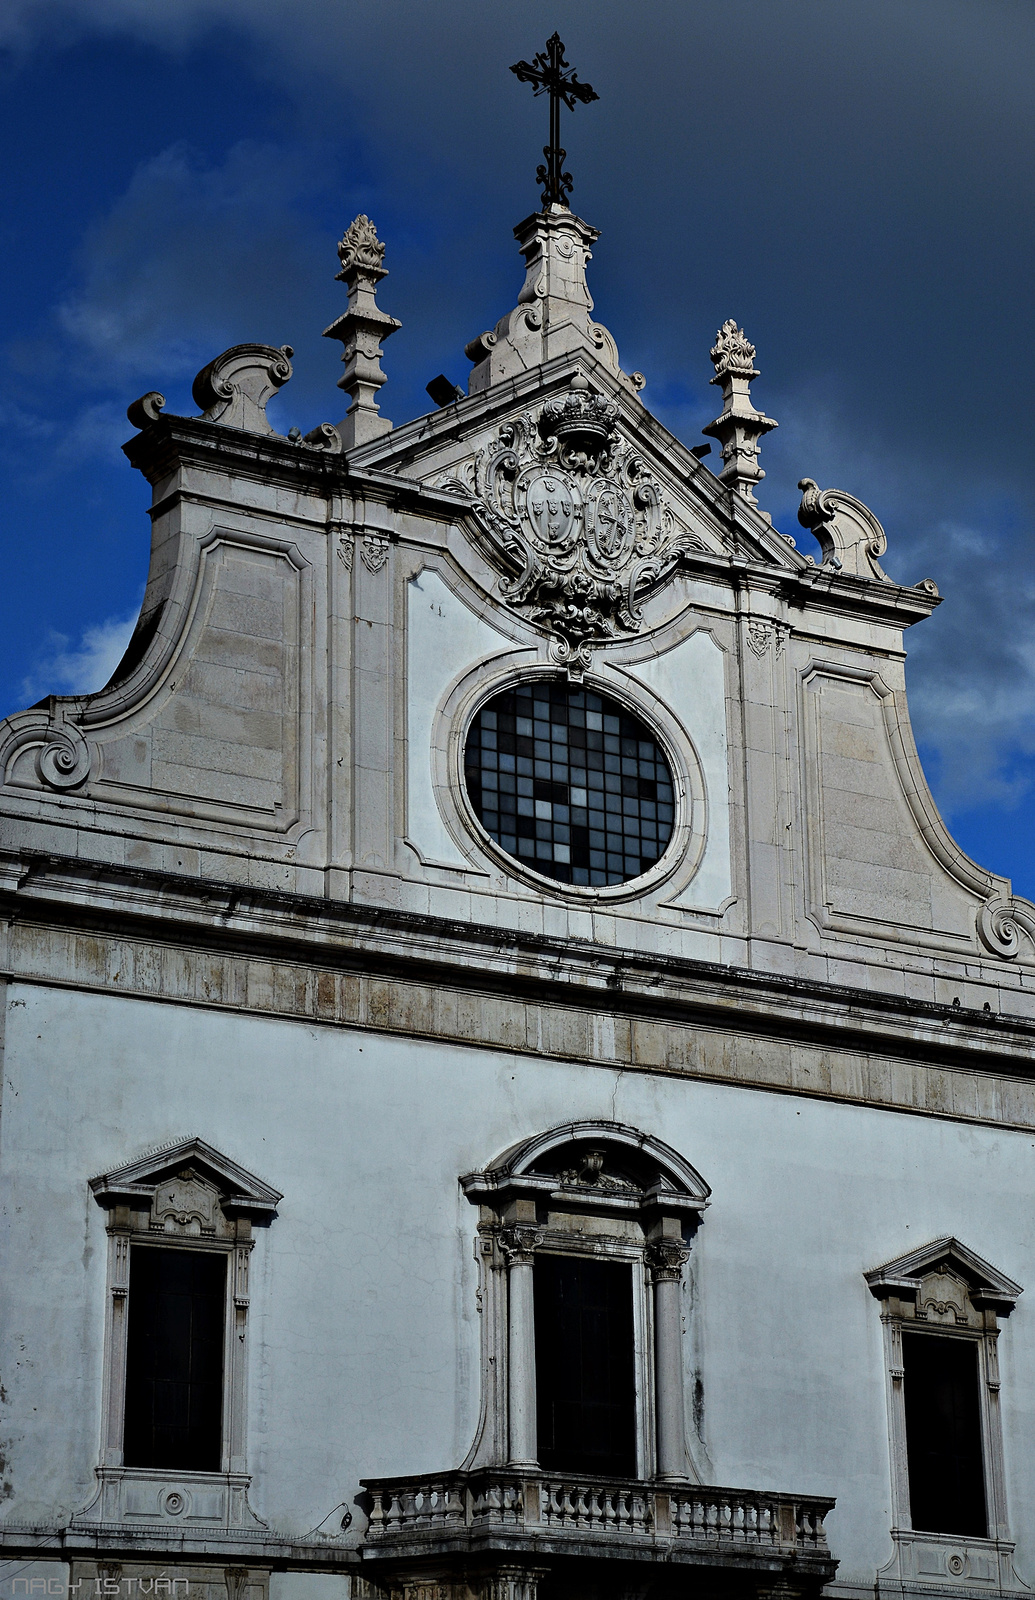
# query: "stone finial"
360,247
553,316
235,388
362,330
740,426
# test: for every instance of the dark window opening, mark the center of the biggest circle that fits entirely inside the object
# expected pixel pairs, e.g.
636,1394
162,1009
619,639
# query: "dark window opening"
585,1367
943,1435
174,1359
570,782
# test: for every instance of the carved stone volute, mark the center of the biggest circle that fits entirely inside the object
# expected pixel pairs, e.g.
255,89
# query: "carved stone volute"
847,532
665,1260
236,387
520,1241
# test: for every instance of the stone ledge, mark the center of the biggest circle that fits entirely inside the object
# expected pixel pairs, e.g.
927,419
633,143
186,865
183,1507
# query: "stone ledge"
185,942
29,1542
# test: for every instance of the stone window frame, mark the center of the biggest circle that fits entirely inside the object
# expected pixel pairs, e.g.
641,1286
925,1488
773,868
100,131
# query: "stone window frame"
183,1196
945,1289
452,724
524,1211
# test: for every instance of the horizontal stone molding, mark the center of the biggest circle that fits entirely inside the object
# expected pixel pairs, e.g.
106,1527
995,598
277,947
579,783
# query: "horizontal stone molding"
421,978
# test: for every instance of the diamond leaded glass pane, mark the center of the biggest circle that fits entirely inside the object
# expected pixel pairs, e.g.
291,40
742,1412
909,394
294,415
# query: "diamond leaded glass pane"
570,783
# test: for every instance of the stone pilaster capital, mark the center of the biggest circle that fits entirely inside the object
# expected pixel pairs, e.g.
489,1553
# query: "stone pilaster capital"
519,1242
665,1260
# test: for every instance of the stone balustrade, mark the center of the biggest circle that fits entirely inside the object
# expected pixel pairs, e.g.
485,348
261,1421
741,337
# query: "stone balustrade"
559,1509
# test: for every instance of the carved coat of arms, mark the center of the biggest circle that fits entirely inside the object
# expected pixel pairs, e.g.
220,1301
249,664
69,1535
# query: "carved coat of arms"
578,524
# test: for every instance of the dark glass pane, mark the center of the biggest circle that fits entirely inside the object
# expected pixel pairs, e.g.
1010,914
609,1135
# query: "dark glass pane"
588,756
943,1435
585,1379
174,1359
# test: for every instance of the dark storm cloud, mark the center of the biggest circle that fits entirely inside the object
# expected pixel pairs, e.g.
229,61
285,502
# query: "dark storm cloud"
851,181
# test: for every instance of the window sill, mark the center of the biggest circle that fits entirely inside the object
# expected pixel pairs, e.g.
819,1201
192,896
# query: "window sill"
922,1561
161,1497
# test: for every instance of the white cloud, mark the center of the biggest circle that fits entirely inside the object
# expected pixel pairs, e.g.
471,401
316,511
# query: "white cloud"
193,255
84,668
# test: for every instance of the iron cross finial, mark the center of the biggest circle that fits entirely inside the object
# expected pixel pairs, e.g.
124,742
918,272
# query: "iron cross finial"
550,74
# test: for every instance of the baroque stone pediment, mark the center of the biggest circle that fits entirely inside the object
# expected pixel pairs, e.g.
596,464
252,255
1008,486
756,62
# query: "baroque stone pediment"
941,1275
578,525
183,1182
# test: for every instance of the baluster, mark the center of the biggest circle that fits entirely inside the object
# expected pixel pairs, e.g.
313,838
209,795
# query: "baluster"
395,1512
737,1521
377,1512
567,1508
454,1510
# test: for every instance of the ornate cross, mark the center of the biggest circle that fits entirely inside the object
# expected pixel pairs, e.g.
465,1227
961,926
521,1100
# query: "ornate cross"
550,74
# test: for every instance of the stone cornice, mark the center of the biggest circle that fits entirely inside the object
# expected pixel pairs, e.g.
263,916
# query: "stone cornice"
269,1551
172,442
338,937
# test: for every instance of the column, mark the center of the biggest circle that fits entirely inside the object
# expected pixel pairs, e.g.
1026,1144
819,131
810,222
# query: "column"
665,1260
518,1244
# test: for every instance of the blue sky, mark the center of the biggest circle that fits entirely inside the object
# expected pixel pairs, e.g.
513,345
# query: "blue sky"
850,179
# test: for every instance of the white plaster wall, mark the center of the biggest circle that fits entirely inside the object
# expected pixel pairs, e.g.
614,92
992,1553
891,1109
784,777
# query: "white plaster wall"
365,1339
443,637
690,680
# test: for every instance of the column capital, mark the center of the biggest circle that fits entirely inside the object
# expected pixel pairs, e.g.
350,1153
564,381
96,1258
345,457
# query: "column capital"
665,1260
519,1242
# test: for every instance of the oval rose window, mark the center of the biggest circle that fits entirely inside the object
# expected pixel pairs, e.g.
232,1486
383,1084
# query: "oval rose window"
569,783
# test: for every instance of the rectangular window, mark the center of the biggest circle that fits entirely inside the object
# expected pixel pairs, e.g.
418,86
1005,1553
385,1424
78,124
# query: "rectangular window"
585,1365
943,1435
174,1359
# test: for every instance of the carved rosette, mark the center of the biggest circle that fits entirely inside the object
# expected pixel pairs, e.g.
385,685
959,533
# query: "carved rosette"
577,522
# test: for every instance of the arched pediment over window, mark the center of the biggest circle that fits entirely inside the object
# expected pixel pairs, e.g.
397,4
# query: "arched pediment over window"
603,1166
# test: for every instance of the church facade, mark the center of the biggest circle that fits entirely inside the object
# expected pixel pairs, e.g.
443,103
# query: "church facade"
510,1090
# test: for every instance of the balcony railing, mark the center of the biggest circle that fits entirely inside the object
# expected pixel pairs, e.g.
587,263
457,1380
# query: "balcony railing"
552,1510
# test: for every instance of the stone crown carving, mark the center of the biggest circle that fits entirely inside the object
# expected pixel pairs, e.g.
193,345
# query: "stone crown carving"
582,423
578,524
